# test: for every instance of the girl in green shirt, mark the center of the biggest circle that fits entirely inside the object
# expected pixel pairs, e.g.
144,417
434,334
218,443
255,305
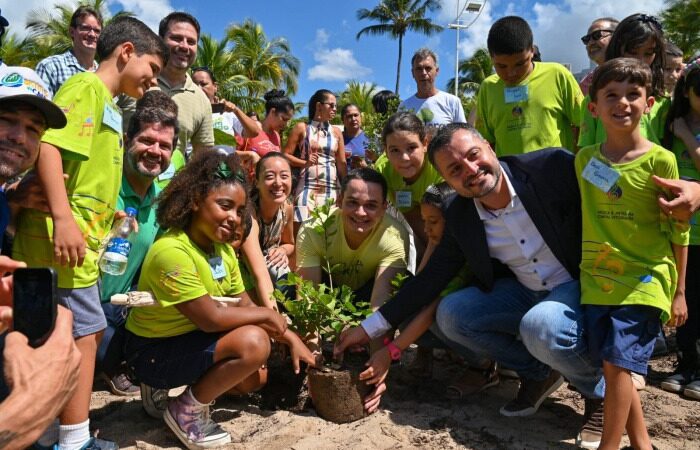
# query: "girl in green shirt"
190,338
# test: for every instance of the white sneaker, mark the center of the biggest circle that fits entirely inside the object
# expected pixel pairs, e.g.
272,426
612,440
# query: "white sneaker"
639,382
192,425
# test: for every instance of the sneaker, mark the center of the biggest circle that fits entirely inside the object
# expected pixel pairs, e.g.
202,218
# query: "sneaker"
192,425
639,382
121,385
692,389
592,430
507,373
531,395
473,381
154,401
678,381
97,444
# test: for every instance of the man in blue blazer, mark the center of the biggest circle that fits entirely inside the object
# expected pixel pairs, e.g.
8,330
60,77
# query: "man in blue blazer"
517,223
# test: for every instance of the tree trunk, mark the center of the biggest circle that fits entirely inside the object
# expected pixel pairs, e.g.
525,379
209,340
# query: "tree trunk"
398,65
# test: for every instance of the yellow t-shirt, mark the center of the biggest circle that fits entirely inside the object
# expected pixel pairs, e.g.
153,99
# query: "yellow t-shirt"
627,256
384,247
91,149
535,114
687,168
176,271
402,195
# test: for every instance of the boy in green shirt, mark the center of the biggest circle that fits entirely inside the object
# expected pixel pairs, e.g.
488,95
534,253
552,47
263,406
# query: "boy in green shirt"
89,151
526,105
633,256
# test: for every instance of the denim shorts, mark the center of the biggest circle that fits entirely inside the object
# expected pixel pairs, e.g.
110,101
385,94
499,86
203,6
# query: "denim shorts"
170,362
84,303
622,335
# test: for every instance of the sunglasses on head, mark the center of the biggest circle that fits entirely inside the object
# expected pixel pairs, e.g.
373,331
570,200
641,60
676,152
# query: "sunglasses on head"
596,36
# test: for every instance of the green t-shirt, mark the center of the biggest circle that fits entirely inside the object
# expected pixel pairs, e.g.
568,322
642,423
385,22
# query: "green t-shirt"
177,271
91,149
148,229
651,125
384,247
687,168
537,113
627,256
402,195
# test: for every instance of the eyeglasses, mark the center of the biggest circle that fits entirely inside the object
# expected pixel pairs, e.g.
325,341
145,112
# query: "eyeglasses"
87,28
331,105
596,36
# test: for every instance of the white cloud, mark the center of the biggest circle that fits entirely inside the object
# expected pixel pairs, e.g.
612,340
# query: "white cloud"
148,11
556,25
334,64
16,14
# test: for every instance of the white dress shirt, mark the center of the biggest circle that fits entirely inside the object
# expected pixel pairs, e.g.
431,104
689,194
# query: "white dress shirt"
514,240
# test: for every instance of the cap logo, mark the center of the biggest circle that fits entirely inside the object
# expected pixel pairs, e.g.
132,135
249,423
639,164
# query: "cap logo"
12,80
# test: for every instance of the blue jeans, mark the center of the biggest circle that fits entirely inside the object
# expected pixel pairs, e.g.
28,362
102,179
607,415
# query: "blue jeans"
549,323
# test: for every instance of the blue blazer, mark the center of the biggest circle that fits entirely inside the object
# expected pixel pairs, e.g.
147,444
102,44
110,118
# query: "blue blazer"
546,184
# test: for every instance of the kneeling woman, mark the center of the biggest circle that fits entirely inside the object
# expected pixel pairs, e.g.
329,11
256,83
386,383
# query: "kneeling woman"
189,338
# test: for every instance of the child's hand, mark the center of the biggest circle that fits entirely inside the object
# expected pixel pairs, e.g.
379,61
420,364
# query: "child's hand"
679,310
300,352
277,257
68,242
378,367
680,128
275,325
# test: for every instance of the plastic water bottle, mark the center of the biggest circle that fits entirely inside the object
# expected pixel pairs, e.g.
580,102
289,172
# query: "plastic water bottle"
116,254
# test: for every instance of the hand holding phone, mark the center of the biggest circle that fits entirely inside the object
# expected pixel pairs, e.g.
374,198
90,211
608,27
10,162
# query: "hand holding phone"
34,306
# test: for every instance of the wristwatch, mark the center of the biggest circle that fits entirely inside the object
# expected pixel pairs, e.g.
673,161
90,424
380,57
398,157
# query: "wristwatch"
394,351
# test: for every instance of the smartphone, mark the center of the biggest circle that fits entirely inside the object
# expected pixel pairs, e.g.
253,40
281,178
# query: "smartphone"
35,303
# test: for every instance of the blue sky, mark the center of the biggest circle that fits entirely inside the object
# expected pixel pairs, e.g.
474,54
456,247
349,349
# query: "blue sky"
322,33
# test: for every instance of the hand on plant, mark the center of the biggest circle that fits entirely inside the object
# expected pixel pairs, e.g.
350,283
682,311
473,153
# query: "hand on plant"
372,400
679,310
352,337
277,257
299,352
377,367
68,242
275,325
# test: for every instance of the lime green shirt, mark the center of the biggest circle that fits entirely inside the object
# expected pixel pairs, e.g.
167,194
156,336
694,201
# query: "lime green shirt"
383,247
687,168
627,256
91,149
177,271
148,230
651,125
402,195
537,113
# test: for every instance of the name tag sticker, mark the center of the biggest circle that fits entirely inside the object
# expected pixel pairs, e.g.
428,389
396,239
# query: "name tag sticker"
600,175
403,199
168,174
515,94
112,118
216,264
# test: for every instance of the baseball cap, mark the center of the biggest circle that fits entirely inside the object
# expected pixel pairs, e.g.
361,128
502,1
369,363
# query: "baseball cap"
23,84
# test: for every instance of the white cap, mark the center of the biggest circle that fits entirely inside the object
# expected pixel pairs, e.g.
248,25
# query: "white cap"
23,84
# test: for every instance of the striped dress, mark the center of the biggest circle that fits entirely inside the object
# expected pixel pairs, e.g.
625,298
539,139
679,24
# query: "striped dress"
320,181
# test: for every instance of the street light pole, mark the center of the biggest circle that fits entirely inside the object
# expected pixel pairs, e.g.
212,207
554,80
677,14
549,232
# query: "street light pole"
475,7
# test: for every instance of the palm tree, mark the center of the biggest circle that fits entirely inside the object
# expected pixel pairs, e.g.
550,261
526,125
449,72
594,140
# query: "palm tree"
472,72
396,18
265,63
359,94
680,21
16,51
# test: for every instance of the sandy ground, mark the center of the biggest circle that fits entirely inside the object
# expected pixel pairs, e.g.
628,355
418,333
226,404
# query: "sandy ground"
413,415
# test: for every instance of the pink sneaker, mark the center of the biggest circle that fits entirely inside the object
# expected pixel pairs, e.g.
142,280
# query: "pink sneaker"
191,423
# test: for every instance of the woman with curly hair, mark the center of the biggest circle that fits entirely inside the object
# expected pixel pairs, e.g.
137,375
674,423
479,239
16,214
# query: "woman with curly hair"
189,338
